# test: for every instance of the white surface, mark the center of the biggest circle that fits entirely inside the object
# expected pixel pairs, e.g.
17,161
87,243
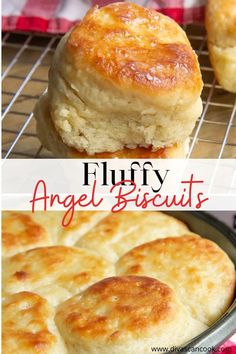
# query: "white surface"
66,177
12,7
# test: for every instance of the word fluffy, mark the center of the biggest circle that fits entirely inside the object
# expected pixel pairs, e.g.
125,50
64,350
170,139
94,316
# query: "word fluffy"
142,173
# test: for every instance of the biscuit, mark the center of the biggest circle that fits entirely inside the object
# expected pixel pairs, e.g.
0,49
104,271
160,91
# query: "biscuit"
221,29
81,223
28,326
20,232
23,230
55,273
118,233
52,141
125,315
124,77
198,270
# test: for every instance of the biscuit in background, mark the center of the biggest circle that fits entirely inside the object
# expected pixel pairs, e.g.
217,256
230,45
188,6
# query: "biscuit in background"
55,273
117,233
22,230
197,269
28,326
221,30
81,223
125,315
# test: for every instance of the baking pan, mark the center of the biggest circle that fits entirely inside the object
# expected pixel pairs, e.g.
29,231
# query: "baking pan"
209,227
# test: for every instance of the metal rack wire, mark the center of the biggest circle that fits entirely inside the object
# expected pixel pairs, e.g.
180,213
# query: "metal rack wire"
26,60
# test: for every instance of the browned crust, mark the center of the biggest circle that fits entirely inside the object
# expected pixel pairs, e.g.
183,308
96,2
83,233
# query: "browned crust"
190,244
189,251
25,318
135,47
126,299
26,231
137,153
65,266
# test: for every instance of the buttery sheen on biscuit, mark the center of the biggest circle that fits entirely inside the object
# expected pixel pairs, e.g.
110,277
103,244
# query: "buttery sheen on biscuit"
21,232
28,326
118,233
55,273
221,29
125,315
124,77
198,270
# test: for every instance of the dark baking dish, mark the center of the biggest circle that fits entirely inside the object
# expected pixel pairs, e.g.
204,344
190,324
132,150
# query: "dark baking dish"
209,227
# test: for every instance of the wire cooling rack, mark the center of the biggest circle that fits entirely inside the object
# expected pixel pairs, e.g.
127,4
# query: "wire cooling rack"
26,60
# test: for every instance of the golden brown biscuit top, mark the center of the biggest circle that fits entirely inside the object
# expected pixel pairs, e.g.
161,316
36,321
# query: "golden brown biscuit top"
67,267
118,233
20,232
28,325
189,265
135,47
117,306
191,252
